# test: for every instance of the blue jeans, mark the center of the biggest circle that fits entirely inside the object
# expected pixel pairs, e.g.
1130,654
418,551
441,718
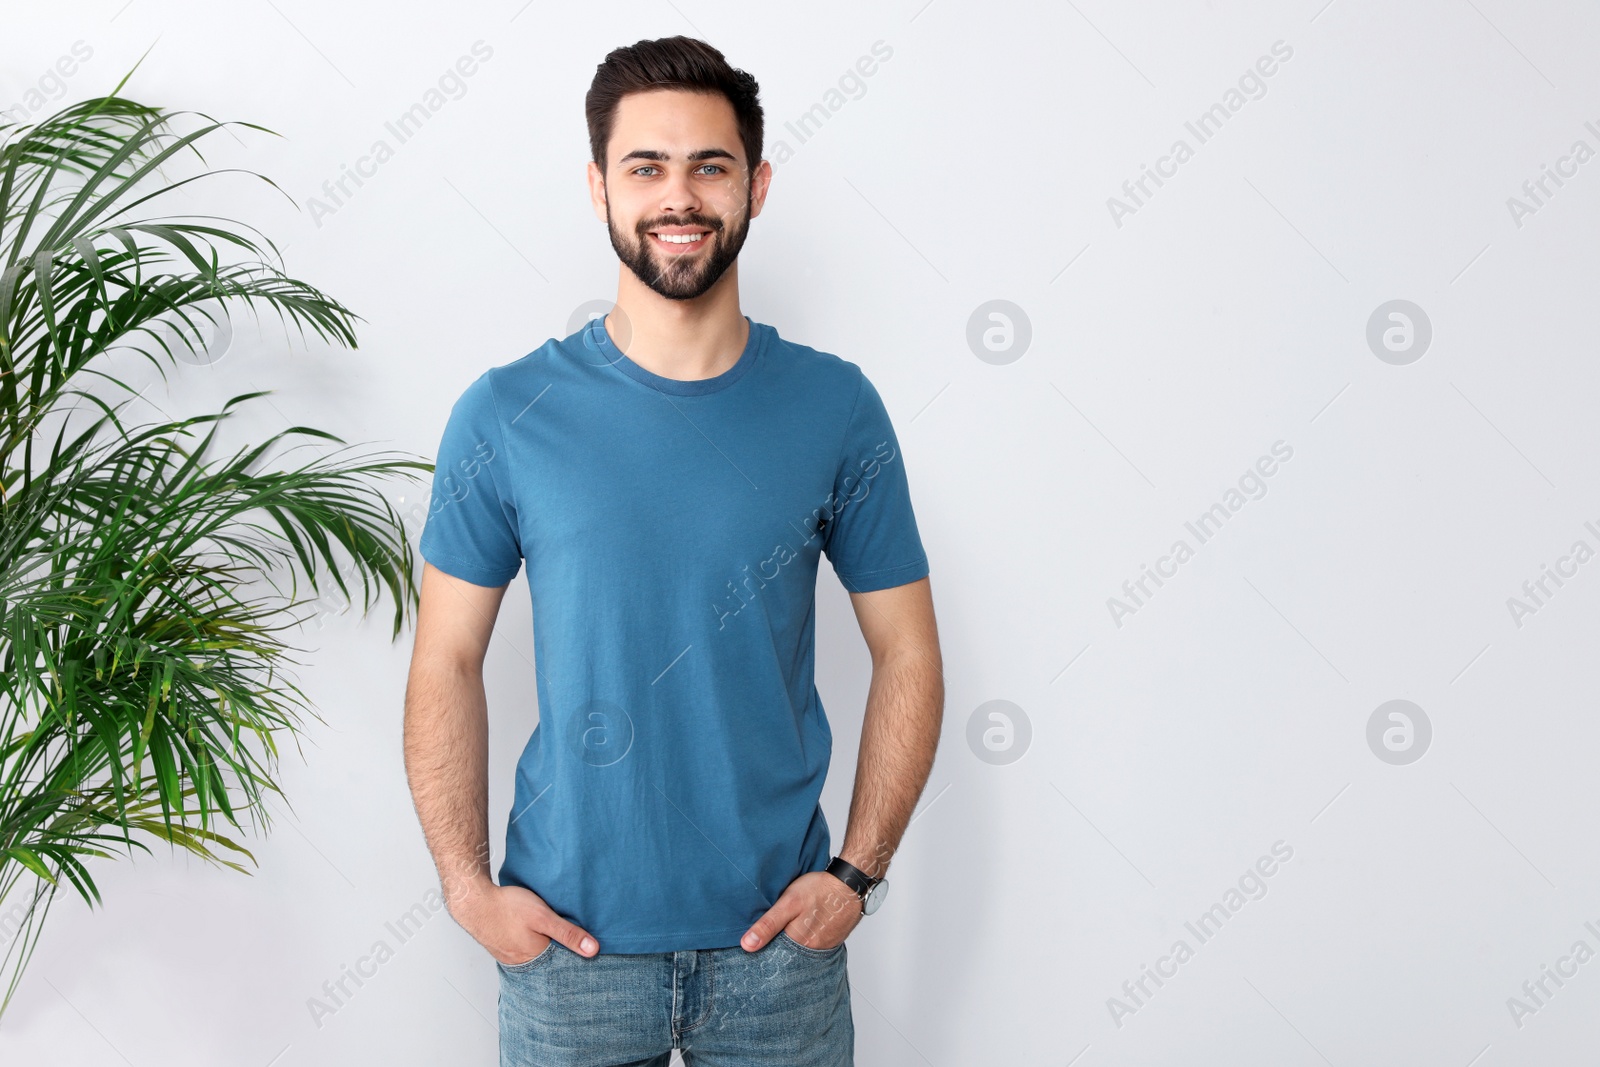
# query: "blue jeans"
784,1005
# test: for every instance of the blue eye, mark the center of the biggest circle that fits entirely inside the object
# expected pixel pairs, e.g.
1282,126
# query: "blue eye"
703,166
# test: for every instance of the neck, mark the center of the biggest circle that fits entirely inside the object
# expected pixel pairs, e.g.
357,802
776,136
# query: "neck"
684,339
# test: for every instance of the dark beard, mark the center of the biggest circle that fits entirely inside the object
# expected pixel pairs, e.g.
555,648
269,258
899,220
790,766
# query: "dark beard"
692,277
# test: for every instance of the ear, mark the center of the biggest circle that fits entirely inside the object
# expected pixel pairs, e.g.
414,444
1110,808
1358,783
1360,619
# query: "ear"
597,190
760,181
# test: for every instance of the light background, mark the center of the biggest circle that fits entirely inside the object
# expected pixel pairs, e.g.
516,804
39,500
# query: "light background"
1167,353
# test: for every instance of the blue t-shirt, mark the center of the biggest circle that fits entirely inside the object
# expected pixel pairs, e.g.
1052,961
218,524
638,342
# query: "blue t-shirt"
672,531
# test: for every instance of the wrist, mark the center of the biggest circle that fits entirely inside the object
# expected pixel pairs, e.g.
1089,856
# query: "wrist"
868,889
465,893
873,865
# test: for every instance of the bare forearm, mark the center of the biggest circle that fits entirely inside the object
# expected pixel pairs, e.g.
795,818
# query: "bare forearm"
899,736
447,756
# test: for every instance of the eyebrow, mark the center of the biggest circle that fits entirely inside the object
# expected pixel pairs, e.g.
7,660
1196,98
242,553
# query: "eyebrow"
696,156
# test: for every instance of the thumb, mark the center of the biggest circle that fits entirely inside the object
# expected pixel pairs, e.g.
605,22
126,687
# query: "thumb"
574,937
767,927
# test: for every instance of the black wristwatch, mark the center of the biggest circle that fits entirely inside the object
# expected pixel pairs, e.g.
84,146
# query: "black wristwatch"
870,890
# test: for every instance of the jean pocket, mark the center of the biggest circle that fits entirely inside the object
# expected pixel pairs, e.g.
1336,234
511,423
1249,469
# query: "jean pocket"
804,950
518,968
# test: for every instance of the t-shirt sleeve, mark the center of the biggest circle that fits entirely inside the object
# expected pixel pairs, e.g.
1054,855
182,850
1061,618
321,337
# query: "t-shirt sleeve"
871,535
471,529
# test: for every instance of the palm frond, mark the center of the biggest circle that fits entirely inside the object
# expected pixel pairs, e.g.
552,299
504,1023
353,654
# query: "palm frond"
146,669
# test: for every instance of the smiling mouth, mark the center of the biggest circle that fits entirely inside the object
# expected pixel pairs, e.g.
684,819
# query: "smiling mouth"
680,242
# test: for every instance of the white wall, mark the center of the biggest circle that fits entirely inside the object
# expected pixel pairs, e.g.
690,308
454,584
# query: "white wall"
1168,353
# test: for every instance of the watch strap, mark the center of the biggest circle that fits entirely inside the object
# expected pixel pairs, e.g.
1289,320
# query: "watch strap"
851,875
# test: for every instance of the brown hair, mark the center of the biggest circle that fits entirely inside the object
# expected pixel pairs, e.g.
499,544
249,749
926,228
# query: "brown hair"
671,63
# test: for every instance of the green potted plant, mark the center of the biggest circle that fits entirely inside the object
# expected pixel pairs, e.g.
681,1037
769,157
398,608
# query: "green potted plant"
143,618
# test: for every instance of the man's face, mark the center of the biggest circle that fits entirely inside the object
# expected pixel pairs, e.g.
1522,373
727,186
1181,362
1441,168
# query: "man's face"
675,195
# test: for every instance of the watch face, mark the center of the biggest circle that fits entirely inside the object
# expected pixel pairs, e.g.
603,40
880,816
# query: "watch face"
874,898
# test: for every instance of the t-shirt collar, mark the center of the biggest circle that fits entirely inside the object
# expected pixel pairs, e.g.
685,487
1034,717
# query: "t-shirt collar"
596,338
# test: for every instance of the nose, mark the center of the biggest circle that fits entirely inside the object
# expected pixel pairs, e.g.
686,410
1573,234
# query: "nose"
678,196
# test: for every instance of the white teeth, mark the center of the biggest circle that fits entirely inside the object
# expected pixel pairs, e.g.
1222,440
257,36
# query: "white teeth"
680,238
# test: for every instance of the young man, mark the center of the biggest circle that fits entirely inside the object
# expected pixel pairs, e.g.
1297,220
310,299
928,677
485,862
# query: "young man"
671,474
